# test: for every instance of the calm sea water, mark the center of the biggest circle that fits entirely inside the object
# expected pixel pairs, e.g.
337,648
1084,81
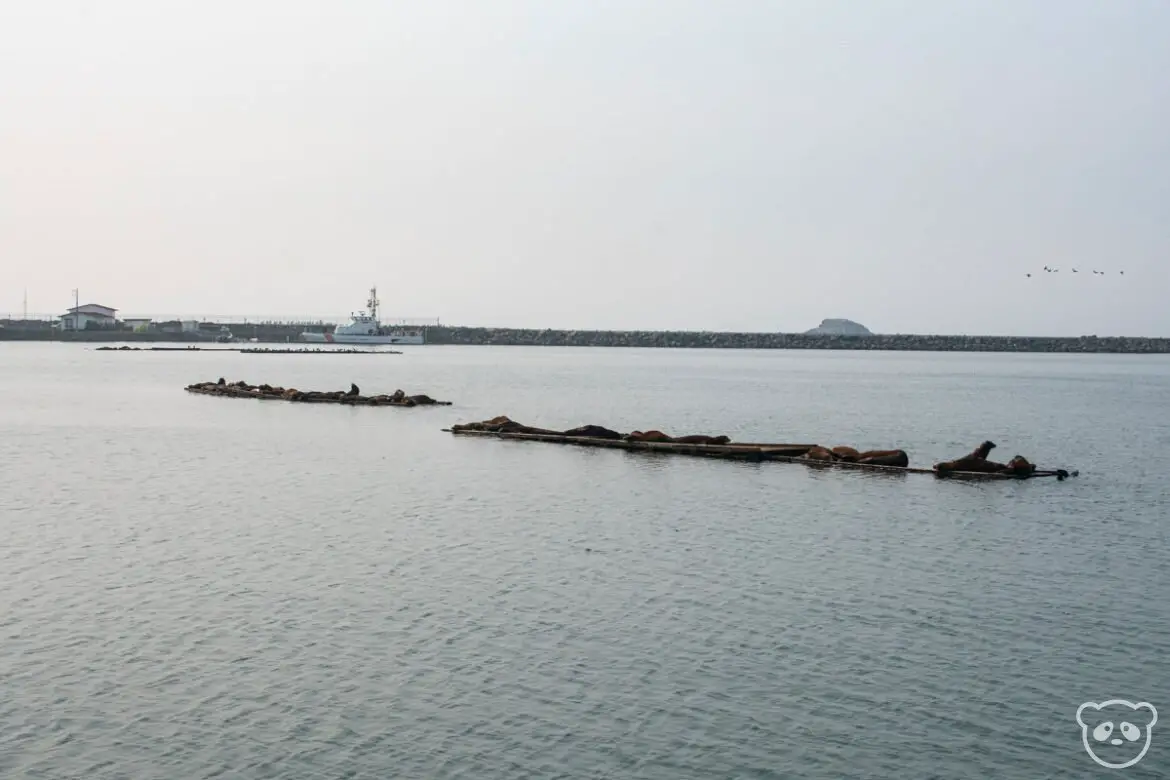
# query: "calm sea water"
198,587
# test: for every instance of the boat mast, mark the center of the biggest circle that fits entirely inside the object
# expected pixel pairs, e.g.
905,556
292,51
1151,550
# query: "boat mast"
372,304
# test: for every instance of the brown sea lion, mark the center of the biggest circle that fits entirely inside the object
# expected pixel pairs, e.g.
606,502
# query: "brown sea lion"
1020,467
819,453
649,436
970,465
483,425
699,438
593,432
423,400
884,458
501,424
975,462
982,451
847,454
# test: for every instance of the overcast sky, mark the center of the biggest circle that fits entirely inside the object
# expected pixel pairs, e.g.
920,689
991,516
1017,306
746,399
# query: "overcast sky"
716,165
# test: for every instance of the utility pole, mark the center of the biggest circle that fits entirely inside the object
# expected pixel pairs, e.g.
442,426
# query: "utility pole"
76,306
25,303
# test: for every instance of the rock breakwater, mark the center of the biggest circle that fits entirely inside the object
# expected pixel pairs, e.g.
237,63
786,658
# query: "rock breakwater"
726,340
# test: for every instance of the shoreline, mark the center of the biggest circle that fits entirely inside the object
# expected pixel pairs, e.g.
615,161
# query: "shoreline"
467,336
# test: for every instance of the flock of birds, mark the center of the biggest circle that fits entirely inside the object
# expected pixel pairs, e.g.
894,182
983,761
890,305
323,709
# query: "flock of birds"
1057,270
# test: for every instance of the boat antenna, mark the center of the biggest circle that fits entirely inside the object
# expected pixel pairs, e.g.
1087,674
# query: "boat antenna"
372,304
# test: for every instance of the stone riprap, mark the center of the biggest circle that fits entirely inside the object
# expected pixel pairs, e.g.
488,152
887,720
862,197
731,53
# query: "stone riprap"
712,340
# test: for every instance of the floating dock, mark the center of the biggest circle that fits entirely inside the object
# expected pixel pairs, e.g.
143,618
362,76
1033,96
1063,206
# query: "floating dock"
351,397
750,452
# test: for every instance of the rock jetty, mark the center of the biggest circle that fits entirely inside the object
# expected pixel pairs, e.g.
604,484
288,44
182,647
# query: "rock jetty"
253,350
725,340
352,397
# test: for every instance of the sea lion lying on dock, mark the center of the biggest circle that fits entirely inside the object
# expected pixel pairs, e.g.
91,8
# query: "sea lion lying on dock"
700,438
594,432
1020,467
658,437
503,424
851,455
884,458
422,400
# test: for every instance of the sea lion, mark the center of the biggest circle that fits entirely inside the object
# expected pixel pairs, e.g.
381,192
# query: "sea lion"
501,424
699,438
982,451
1020,467
847,454
423,400
884,458
975,461
657,437
593,432
353,389
482,425
820,454
969,465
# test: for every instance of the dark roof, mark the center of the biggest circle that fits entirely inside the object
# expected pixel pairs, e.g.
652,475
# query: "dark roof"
73,309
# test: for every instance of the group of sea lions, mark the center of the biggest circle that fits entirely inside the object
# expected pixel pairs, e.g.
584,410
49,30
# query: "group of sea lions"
352,396
503,424
851,455
976,462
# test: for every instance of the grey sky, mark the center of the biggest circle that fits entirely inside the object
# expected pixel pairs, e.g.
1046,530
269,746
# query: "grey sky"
723,165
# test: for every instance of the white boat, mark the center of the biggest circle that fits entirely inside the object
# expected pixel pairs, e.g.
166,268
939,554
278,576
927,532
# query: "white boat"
364,328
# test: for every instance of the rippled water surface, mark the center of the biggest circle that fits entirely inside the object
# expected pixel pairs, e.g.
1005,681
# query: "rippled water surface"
198,587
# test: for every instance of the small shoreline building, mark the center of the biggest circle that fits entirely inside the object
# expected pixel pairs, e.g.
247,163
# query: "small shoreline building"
88,317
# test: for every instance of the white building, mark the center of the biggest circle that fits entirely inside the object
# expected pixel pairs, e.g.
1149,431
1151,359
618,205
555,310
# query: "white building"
80,317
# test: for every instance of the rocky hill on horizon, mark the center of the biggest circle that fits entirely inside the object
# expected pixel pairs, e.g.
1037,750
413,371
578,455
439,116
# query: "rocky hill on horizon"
839,327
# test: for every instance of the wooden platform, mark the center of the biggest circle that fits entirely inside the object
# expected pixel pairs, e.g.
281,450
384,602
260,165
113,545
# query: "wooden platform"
753,452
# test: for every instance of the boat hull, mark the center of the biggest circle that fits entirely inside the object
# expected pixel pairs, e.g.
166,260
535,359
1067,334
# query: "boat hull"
331,338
